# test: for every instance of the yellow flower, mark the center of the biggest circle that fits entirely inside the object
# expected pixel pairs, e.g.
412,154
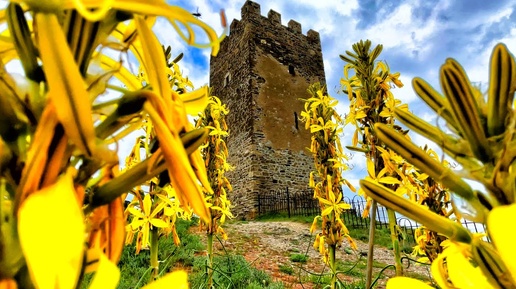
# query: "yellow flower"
145,218
178,17
395,79
333,203
67,89
169,118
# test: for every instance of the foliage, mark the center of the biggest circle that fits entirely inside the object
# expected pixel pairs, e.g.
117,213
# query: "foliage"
284,217
287,269
321,118
479,135
325,280
230,271
300,258
60,188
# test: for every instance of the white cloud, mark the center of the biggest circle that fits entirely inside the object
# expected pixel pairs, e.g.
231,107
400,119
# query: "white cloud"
398,31
406,94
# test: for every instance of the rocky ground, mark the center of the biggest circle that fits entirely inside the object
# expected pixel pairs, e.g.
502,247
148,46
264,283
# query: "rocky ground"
269,246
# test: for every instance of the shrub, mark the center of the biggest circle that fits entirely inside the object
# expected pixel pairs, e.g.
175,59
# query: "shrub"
299,258
286,269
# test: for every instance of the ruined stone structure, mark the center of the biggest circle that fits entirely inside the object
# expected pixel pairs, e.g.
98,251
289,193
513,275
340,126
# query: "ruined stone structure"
261,71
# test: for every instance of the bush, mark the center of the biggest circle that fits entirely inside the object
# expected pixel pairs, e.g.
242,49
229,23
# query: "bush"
287,269
299,258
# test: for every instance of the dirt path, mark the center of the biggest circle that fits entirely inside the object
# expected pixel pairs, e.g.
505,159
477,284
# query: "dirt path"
269,246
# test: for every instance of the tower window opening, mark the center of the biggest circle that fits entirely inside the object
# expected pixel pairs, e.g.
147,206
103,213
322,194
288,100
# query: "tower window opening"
227,79
291,70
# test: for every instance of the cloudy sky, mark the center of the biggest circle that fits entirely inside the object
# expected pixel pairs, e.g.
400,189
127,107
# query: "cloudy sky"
417,37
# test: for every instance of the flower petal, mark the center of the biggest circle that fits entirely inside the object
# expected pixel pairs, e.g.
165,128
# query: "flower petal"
177,280
463,274
406,282
67,88
439,272
107,275
182,176
51,228
154,59
147,204
158,223
196,100
503,233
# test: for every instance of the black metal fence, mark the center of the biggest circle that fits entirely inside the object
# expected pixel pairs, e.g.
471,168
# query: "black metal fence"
303,204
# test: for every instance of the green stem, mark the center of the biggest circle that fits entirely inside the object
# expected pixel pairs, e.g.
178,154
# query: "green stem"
210,260
370,249
395,242
154,263
333,266
111,190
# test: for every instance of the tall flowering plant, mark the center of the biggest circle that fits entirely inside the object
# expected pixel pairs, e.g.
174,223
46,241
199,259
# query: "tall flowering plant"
371,102
325,124
479,135
215,154
61,191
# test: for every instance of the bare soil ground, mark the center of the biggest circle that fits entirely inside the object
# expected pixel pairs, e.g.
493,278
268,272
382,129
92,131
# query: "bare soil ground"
269,245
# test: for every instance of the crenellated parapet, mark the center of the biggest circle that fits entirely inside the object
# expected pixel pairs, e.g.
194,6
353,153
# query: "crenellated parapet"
251,12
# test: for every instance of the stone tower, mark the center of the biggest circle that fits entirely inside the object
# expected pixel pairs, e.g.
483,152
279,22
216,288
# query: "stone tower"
261,71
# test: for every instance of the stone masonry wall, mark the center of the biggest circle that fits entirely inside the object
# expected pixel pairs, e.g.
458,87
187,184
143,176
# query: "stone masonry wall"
262,70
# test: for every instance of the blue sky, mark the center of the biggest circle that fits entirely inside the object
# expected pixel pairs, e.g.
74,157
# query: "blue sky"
417,37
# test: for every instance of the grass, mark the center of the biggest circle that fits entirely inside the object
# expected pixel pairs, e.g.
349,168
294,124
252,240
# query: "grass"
287,269
323,281
134,268
357,268
298,258
230,271
284,217
382,235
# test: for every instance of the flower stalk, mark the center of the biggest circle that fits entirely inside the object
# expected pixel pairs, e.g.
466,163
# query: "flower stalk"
371,102
154,262
215,154
324,123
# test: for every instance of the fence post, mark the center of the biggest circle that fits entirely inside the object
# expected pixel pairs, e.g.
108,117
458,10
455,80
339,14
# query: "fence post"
288,203
259,205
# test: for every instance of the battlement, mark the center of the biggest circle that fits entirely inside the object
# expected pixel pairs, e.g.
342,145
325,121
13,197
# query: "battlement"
274,17
251,11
